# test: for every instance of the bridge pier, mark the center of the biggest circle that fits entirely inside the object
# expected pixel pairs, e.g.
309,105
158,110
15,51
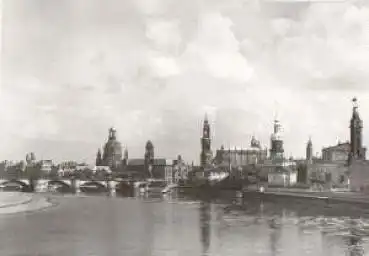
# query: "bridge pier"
111,186
76,186
112,192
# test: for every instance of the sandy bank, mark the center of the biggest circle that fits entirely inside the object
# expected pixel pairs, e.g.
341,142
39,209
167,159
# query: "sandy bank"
17,202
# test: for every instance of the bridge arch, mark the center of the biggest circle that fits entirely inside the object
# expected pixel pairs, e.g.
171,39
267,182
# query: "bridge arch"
93,186
24,185
123,185
59,182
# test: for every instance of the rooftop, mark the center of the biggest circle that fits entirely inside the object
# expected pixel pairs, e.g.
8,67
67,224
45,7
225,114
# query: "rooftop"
340,146
141,161
239,149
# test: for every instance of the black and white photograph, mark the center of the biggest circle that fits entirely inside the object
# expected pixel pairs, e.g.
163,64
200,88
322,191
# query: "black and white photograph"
184,128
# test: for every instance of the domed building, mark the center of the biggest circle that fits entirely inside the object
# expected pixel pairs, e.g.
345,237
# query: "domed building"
112,155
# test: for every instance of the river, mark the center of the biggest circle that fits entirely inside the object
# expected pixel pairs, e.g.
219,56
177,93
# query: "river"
163,226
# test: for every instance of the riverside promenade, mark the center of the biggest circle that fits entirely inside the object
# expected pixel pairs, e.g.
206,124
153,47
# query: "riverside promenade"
17,202
329,195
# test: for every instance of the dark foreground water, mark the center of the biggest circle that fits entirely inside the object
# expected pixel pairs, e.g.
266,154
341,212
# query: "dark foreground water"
163,226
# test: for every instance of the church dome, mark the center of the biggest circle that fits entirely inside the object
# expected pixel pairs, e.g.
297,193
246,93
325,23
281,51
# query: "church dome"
113,146
112,150
254,142
149,145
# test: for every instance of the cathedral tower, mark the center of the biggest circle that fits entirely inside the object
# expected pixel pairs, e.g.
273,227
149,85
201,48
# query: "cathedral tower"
206,153
276,141
309,150
125,158
356,140
98,158
149,158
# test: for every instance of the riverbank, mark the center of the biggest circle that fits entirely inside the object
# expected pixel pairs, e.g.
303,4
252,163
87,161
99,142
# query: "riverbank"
328,196
18,202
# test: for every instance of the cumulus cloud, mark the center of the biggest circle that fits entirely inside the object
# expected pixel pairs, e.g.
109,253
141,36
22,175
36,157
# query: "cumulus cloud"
71,69
215,50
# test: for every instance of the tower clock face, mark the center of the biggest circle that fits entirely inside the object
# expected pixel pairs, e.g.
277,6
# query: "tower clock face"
206,133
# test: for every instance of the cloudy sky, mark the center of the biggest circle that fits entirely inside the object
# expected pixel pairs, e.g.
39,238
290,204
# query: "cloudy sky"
152,68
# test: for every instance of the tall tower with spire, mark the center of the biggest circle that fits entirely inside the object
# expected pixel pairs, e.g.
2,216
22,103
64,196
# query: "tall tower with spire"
357,151
125,157
149,158
276,141
206,153
98,158
309,150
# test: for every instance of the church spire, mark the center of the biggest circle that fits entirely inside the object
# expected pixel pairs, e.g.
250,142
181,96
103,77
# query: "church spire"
126,153
356,126
309,150
206,153
98,158
276,148
206,128
149,158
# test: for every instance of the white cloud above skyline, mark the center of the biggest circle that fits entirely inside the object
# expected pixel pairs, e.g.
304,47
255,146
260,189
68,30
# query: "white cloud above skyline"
71,69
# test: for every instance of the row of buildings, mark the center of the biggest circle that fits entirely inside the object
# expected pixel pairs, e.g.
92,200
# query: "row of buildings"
110,160
244,163
113,157
340,165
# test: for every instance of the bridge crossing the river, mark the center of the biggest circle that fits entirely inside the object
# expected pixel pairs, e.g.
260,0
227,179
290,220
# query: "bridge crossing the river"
76,184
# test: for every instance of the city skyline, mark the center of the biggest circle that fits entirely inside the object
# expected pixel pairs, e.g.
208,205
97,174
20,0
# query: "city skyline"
152,73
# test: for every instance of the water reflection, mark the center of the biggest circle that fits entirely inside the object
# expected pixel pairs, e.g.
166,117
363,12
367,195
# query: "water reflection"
156,224
355,240
274,240
205,218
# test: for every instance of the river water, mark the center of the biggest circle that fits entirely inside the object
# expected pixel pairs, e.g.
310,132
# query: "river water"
163,226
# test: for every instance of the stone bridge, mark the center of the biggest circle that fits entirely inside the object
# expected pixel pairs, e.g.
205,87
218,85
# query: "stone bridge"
43,184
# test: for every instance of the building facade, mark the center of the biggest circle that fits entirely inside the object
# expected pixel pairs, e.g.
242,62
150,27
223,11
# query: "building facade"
359,176
180,170
328,171
46,166
341,164
282,177
235,157
337,153
136,168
